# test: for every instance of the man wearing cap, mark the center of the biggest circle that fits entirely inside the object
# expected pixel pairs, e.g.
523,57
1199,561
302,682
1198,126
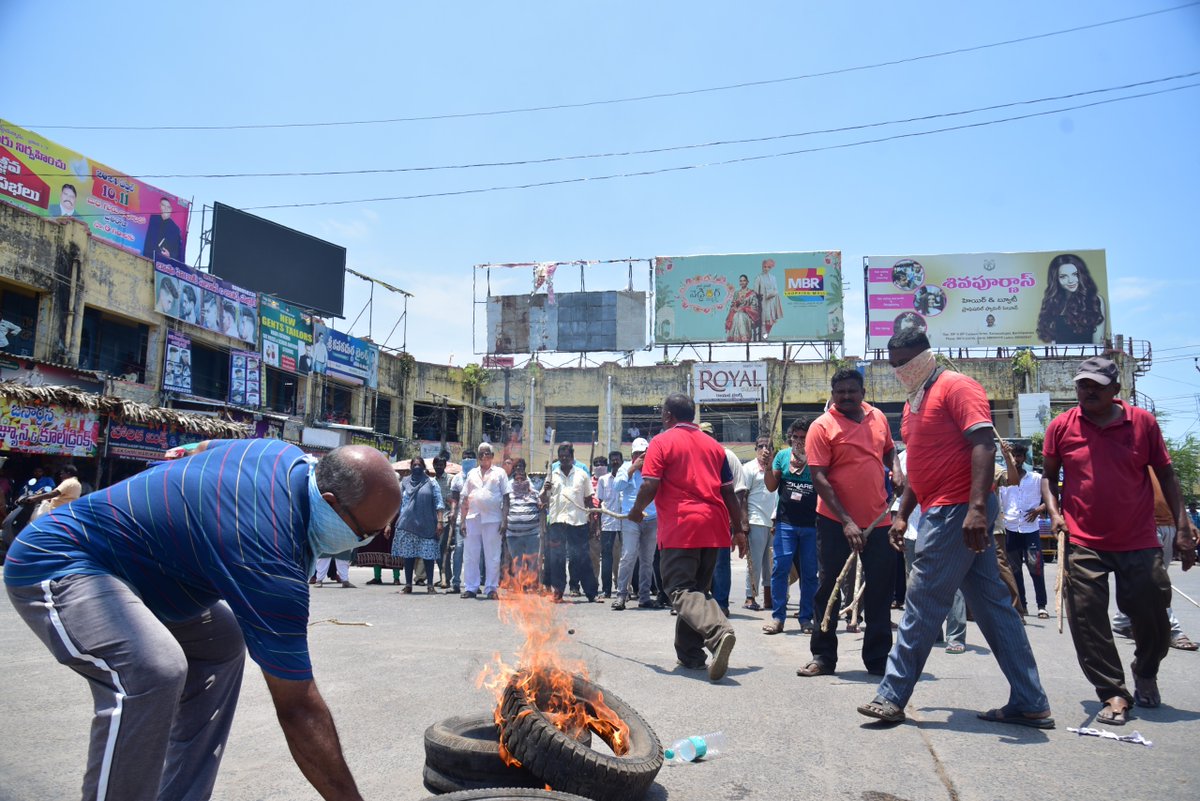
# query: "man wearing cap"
722,581
947,426
1104,447
687,474
638,540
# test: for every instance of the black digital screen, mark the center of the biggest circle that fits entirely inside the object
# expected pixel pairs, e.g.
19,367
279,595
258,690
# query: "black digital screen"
263,256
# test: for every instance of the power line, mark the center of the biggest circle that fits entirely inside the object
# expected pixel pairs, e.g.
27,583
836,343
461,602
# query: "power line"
687,167
633,99
657,150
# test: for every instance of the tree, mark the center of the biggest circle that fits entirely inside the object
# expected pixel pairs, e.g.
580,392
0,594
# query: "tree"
1185,456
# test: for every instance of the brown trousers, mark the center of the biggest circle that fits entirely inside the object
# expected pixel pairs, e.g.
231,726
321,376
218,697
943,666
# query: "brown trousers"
1143,593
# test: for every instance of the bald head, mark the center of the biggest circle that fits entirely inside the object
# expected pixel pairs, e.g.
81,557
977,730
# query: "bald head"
362,479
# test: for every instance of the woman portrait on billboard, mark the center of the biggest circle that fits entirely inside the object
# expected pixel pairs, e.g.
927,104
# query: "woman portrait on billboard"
1072,309
745,316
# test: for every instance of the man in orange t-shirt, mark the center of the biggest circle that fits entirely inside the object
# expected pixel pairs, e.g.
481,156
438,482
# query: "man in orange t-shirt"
948,429
847,448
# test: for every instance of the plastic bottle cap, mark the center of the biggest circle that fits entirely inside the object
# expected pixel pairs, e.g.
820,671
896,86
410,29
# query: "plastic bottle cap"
669,754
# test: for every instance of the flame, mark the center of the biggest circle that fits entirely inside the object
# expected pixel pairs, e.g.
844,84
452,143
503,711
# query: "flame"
543,674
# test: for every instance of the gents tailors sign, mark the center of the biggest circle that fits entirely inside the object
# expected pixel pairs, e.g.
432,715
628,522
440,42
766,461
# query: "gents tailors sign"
287,336
48,428
990,299
754,297
729,382
44,178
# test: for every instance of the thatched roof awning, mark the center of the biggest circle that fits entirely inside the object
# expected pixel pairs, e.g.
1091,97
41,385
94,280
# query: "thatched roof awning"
126,411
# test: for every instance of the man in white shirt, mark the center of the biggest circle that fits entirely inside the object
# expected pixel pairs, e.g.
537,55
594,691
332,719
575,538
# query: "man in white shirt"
485,497
610,527
568,494
638,540
1020,506
722,576
760,510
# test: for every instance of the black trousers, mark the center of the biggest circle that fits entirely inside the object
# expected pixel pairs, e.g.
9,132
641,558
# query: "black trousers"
879,573
687,574
1143,593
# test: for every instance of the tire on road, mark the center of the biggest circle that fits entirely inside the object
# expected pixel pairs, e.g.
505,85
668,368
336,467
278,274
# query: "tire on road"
506,794
573,767
464,753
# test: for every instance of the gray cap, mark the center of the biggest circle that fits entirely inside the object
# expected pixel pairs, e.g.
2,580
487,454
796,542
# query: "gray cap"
1099,369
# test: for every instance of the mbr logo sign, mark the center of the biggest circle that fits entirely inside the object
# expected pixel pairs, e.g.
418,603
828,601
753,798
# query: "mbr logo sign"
805,285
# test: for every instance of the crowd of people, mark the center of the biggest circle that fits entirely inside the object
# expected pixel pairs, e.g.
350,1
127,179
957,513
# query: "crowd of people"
155,589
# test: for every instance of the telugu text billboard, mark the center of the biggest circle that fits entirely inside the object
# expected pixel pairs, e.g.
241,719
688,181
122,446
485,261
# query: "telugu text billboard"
990,299
44,178
751,297
204,300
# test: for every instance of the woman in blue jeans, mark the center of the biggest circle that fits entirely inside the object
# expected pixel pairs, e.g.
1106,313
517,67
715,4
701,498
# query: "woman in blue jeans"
795,540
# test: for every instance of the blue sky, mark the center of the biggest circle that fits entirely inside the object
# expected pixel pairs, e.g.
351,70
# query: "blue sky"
1121,176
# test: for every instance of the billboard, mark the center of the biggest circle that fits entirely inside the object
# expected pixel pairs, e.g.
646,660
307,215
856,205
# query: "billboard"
177,367
1057,297
44,178
287,336
245,378
145,443
204,300
749,297
729,382
268,257
344,357
48,428
567,321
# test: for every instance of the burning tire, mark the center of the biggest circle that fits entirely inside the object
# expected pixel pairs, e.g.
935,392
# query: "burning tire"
570,766
464,754
506,794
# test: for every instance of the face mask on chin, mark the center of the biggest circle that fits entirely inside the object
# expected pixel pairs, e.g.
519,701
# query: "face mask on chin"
328,534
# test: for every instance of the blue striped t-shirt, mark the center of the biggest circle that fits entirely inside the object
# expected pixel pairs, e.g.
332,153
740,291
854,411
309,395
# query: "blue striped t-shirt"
229,524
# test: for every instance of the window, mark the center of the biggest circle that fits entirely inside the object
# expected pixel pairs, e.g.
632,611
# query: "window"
427,422
573,423
383,414
640,421
210,372
502,428
117,346
280,394
336,403
18,320
732,422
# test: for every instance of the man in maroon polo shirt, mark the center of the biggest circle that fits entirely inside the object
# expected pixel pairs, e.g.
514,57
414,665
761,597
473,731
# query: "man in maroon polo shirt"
689,480
1103,447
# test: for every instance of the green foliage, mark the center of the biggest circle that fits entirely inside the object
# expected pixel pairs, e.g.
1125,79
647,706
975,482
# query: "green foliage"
1185,457
946,362
1024,365
475,378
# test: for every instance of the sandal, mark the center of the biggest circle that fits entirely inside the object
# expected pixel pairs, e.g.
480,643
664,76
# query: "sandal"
1183,643
956,648
1145,693
1007,714
814,669
1043,614
774,627
1111,716
752,605
882,709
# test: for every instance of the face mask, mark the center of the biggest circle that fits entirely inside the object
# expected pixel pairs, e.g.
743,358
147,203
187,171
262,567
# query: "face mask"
418,472
914,375
327,532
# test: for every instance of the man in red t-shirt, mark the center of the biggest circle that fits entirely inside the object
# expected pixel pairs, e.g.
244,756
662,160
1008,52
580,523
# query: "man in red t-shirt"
1107,510
688,478
947,427
847,448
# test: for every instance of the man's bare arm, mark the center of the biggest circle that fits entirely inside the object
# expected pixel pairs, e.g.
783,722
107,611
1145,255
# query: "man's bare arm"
983,458
312,738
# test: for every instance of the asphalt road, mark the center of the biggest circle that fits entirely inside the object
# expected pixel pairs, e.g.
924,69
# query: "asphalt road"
790,737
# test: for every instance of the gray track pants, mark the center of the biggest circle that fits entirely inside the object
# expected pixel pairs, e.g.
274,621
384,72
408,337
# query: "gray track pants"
164,694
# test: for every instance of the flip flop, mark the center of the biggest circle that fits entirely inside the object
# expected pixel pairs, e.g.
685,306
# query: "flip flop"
882,709
814,669
1008,715
1183,643
1112,717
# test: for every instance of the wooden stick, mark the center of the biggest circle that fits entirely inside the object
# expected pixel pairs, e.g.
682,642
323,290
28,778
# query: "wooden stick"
860,584
833,596
1061,578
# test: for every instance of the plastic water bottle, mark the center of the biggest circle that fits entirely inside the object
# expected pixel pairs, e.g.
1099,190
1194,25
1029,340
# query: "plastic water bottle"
702,746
